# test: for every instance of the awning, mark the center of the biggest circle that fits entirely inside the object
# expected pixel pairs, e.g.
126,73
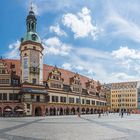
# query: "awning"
37,91
8,109
19,110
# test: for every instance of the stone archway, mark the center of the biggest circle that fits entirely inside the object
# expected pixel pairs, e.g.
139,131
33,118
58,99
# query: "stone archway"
47,112
83,110
87,111
38,111
7,111
61,111
18,111
91,110
67,111
73,111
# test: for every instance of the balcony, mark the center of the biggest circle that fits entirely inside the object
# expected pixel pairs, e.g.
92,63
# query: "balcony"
34,100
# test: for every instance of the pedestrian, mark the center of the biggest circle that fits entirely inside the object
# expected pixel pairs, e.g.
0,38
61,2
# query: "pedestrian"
122,114
99,114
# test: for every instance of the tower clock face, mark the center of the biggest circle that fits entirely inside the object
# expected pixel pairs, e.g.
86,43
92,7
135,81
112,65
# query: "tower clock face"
34,59
34,37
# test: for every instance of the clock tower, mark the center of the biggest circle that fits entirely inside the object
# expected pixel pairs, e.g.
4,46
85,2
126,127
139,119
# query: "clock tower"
31,53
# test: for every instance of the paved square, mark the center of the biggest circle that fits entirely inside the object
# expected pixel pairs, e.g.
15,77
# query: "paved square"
88,127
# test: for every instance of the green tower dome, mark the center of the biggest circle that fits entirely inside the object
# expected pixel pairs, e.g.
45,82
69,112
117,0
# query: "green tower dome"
31,34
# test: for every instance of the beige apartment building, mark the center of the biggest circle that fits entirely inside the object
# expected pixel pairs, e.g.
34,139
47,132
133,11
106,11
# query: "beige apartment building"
125,96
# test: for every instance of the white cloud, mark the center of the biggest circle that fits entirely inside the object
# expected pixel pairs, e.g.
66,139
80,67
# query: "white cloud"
116,66
56,29
121,76
67,66
127,59
53,46
121,24
124,52
80,24
13,51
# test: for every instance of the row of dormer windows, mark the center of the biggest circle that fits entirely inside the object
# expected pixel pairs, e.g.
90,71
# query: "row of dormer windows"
76,89
55,85
55,77
4,81
9,96
2,72
77,82
72,100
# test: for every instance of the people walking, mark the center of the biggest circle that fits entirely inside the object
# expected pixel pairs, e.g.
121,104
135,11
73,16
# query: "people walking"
122,114
99,114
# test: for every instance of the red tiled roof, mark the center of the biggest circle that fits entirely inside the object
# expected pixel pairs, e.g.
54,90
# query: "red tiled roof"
66,75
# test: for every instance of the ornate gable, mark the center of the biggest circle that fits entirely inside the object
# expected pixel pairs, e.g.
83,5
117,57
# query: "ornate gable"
5,74
75,83
55,80
3,67
91,87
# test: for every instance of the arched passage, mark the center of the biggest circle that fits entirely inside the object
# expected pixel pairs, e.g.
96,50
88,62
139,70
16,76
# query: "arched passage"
7,111
61,111
87,111
91,110
67,111
83,110
18,111
73,111
38,111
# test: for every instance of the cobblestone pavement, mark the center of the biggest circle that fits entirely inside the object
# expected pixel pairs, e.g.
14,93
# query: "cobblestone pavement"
88,127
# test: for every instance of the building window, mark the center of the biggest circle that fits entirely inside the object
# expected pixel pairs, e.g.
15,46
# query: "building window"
11,96
3,71
16,96
15,82
38,98
88,102
76,89
93,102
34,48
77,100
83,101
63,99
98,103
55,85
4,96
71,100
34,80
54,98
28,106
4,81
32,96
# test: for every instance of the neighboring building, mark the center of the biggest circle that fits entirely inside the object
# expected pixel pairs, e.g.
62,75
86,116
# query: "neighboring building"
125,96
27,86
106,90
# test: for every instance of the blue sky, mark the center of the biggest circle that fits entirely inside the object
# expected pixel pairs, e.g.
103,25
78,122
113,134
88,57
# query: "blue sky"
99,39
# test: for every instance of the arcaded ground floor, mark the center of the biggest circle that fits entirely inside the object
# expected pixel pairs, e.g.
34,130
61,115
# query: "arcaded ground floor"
88,127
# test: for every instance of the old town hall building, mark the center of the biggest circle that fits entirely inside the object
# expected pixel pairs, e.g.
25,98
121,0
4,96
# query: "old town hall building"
30,88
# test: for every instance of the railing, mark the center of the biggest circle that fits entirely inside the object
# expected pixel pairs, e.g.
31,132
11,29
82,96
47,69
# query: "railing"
34,100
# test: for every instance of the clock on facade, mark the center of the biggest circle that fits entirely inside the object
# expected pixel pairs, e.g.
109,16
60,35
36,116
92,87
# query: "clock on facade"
34,37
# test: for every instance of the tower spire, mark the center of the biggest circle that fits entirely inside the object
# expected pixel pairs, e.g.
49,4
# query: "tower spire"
31,6
31,19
